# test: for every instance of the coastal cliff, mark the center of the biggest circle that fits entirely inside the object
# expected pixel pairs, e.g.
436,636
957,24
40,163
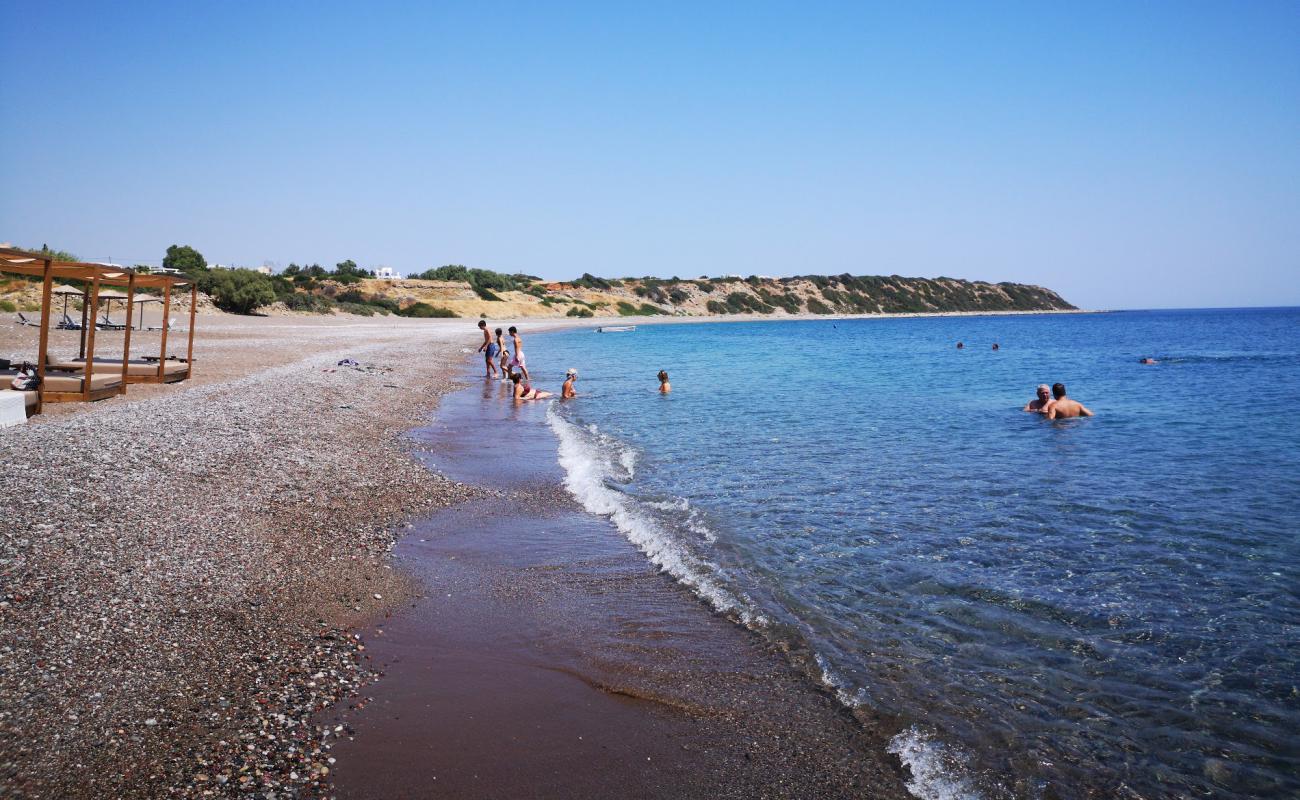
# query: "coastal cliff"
811,294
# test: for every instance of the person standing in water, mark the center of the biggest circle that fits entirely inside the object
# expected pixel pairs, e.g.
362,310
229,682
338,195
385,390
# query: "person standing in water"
504,355
1063,407
664,386
1039,405
518,359
567,391
489,350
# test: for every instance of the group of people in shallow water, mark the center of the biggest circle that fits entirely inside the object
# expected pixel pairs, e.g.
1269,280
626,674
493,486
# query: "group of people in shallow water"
503,360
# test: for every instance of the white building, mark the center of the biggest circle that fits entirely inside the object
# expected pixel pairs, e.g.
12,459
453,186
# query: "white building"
264,270
387,273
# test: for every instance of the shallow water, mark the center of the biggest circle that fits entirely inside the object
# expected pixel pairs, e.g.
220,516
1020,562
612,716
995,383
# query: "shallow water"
1093,607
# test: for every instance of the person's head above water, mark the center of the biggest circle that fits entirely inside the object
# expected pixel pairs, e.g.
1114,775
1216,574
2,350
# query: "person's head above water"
663,376
960,345
572,373
1058,390
1043,391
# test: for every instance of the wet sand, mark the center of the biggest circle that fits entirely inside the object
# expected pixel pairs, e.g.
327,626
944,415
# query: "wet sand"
548,658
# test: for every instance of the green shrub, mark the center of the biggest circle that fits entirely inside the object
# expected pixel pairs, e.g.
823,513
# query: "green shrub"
818,307
485,293
589,281
6,305
626,309
579,312
360,309
715,307
424,310
238,291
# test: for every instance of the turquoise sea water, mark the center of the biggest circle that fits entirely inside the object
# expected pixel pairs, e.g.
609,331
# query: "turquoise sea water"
1089,608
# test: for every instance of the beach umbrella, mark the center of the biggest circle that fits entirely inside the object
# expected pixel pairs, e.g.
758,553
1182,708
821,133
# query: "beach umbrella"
107,296
68,293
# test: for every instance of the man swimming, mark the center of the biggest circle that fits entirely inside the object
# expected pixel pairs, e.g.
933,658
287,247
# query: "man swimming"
1063,407
1039,404
489,350
518,359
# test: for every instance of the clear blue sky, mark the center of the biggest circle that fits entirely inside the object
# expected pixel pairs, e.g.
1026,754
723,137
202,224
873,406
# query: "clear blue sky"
1126,154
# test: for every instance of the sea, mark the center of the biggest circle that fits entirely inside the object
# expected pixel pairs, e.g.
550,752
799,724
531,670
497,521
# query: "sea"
1094,607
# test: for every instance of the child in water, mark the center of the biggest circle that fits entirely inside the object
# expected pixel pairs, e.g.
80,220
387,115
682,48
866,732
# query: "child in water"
664,386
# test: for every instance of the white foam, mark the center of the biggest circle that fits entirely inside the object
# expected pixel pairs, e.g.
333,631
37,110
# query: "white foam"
831,680
589,458
937,770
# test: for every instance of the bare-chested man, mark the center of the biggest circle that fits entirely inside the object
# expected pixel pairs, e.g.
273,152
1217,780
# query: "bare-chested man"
1063,407
489,350
1039,404
518,359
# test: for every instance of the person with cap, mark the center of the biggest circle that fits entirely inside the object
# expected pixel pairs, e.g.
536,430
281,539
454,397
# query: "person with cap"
567,391
1039,405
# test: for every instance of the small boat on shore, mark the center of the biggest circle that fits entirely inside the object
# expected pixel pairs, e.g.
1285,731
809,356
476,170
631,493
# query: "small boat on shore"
615,328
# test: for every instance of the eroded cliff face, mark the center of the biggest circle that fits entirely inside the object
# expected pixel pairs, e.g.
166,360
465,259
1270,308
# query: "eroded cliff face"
815,294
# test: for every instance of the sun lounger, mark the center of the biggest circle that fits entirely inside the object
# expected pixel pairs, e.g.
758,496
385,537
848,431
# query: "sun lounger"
171,327
137,370
23,320
62,387
107,324
68,324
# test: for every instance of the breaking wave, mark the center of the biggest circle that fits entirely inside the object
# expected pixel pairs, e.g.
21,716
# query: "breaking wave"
592,462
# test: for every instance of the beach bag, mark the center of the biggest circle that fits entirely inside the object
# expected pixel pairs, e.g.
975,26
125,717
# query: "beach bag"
25,383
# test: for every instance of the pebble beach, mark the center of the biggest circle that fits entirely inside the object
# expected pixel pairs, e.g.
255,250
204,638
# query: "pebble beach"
180,566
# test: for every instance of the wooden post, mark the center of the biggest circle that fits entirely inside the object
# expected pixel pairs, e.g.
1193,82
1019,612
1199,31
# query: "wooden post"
46,287
167,310
81,353
90,337
126,342
194,309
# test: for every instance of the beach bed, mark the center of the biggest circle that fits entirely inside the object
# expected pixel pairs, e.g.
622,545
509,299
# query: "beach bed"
59,387
138,370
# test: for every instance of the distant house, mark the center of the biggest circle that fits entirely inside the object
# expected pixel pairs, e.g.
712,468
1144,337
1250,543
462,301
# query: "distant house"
387,273
264,270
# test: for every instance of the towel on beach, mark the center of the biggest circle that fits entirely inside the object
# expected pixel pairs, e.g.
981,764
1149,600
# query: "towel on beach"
13,408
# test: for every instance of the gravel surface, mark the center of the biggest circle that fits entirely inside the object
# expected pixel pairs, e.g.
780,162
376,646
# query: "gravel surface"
178,573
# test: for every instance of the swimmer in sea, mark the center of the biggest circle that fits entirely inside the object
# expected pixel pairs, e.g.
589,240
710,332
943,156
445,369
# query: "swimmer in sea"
1039,404
960,345
1148,360
567,391
523,391
1063,407
664,386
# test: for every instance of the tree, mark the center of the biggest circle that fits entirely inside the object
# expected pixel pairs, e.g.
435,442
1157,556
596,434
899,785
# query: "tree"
56,255
185,258
238,290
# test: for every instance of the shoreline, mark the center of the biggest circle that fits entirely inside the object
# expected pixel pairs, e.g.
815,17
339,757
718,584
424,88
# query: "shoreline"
543,630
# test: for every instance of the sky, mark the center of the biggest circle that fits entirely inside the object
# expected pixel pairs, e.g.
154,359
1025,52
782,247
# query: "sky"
1127,155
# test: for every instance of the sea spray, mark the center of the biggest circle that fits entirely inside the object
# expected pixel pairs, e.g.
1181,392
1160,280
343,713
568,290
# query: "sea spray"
590,460
937,769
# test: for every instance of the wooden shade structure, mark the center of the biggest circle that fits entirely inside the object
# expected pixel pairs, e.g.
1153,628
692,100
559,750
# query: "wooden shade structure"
48,270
